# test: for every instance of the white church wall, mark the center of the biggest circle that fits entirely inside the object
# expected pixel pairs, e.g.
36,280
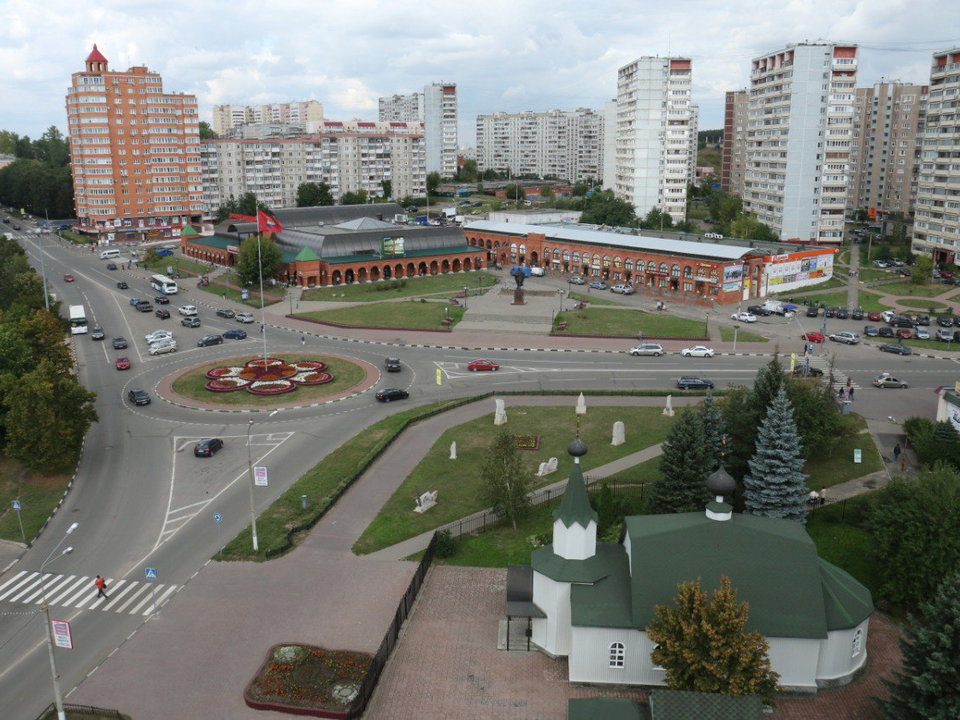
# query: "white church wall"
626,547
590,656
795,659
553,632
574,542
838,655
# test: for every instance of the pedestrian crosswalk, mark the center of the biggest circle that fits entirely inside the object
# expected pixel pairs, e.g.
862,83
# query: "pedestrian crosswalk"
130,597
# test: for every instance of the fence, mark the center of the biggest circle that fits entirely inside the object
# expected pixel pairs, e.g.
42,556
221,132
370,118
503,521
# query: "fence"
79,711
393,633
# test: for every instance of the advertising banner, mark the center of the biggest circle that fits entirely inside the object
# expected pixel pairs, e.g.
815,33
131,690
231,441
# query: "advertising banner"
391,247
732,278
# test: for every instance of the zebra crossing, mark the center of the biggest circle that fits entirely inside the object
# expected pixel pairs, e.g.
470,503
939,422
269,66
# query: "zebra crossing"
130,597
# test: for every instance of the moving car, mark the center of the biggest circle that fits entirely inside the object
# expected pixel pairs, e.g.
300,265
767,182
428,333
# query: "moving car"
157,336
162,314
622,289
68,278
97,333
119,343
144,306
208,340
164,252
654,349
598,285
576,280
691,382
870,330
111,266
207,447
390,394
134,301
190,321
244,317
813,336
897,348
235,334
122,285
123,363
161,300
163,347
744,317
888,381
138,397
226,313
482,364
850,338
811,371
187,310
698,351
392,364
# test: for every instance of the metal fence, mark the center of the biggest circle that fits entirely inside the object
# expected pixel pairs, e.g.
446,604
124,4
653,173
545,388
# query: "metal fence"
79,711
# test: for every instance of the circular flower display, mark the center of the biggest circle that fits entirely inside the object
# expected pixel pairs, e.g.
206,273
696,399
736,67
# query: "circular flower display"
267,376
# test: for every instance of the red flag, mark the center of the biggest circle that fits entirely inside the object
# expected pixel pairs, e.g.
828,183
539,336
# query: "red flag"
248,218
268,224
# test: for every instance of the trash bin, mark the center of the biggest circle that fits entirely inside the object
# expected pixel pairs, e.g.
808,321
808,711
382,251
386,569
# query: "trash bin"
845,407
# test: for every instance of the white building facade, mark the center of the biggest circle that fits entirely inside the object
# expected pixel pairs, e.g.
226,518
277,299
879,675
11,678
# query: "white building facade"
653,144
799,137
228,117
436,108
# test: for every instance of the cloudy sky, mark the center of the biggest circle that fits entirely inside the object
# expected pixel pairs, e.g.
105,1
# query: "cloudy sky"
516,55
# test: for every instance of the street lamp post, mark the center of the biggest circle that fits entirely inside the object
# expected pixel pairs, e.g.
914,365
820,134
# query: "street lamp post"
464,298
253,507
57,696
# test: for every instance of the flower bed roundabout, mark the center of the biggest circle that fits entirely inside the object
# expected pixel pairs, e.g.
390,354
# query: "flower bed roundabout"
309,680
288,380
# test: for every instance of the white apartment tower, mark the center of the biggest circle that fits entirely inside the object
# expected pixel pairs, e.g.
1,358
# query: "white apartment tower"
436,108
609,144
228,117
799,136
653,145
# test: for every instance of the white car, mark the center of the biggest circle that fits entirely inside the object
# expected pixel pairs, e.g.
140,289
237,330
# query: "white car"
850,338
744,317
622,289
577,280
188,310
244,317
697,351
655,349
160,348
158,336
923,333
887,315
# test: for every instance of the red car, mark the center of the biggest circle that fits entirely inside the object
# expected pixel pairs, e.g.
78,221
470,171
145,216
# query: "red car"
483,365
875,316
946,274
68,278
904,333
123,363
816,337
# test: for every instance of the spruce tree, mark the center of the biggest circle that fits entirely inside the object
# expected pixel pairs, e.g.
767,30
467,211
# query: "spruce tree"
775,484
770,379
929,684
713,428
685,464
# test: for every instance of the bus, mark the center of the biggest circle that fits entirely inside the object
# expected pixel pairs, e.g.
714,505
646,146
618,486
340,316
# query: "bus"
163,284
78,320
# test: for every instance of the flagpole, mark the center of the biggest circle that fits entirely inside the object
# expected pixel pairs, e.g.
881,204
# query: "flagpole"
263,310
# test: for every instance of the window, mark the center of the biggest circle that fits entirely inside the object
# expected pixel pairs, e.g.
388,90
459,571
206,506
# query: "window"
857,643
617,655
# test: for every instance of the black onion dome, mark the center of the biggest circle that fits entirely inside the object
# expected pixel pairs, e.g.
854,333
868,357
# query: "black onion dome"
577,448
720,482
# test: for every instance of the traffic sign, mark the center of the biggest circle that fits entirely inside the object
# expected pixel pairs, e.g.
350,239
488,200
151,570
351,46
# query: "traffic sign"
857,456
439,376
260,476
62,637
217,518
16,504
151,573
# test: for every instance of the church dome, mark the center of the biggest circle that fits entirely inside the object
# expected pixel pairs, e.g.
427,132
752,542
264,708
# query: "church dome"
577,448
721,483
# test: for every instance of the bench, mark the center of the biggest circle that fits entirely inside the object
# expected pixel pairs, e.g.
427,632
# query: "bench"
446,322
561,327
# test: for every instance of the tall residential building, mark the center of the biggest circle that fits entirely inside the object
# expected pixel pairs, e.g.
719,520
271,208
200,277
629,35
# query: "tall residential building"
436,108
936,227
348,156
735,118
609,144
884,159
228,117
568,145
653,166
694,142
134,151
799,135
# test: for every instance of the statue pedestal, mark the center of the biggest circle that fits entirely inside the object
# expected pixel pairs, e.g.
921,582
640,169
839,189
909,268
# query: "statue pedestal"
518,297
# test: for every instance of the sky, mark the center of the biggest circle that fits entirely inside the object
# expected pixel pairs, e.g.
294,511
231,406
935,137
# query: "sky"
511,56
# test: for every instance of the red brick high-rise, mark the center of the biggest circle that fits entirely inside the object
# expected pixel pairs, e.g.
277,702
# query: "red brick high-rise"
135,153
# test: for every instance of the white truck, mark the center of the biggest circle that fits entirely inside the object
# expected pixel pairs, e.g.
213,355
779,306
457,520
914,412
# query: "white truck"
777,308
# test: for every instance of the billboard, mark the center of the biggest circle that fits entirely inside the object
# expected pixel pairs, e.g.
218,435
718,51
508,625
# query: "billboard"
391,247
732,278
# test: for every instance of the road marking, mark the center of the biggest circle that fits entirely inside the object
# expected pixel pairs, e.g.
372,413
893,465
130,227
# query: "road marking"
22,576
132,598
56,601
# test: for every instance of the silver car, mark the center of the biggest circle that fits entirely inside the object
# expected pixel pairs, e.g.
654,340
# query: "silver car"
622,289
163,347
654,349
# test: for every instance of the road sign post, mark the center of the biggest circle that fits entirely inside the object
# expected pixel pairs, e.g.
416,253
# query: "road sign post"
151,574
217,519
260,476
16,507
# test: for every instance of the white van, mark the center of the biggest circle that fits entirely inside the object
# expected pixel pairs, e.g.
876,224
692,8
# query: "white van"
109,254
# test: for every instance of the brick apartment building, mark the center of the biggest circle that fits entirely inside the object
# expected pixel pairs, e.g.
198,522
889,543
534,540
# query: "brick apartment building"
735,117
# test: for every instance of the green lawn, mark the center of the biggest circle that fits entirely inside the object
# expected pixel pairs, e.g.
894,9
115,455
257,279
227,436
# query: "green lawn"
181,263
697,211
869,274
908,289
841,540
345,375
404,287
38,496
925,305
645,472
726,335
868,301
228,286
593,299
503,545
626,323
836,465
408,314
458,481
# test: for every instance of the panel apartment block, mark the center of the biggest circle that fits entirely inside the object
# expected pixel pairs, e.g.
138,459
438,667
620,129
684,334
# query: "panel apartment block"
884,159
134,151
228,117
568,145
436,108
936,226
735,117
653,146
348,156
799,136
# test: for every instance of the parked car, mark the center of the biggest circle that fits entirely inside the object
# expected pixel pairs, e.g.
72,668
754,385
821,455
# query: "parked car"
813,311
576,280
122,285
162,314
950,281
888,381
97,333
842,313
244,317
207,447
922,333
874,317
904,333
119,343
622,289
226,313
896,348
870,330
813,336
946,274
923,320
208,340
157,336
598,285
945,335
68,278
744,317
811,371
235,334
392,364
161,300
945,320
850,338
885,331
139,397
390,394
187,310
654,349
691,382
902,321
111,266
163,347
759,310
698,351
123,363
190,322
888,315
482,365
857,314
829,312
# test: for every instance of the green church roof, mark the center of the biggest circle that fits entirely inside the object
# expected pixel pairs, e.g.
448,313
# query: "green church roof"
606,708
847,603
307,254
608,559
605,602
188,230
689,705
575,507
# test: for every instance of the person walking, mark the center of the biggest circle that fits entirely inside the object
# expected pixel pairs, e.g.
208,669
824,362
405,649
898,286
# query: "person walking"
303,340
101,587
640,336
896,452
851,394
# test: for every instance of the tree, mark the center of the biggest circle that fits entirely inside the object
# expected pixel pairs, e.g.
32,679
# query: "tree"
604,208
776,484
703,646
686,462
922,269
387,187
657,219
433,182
467,172
44,332
929,684
314,194
247,204
354,198
515,192
38,187
251,258
580,188
151,256
713,429
914,526
52,148
505,484
206,132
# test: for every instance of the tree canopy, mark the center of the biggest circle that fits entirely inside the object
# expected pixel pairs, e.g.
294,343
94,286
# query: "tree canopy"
686,463
314,194
604,208
505,484
247,204
354,198
250,260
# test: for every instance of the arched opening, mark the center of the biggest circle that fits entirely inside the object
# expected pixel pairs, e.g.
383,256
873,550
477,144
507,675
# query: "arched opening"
422,269
375,273
336,278
348,276
489,245
411,270
398,271
457,265
434,268
387,272
445,266
467,264
534,258
362,275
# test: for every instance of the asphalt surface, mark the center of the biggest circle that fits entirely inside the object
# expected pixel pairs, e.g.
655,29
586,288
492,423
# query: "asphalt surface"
143,501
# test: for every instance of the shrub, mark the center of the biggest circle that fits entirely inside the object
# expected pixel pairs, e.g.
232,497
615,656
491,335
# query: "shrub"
379,287
446,546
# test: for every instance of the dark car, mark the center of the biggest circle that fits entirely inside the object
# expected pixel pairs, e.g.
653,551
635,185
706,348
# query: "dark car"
390,394
226,313
161,300
119,343
235,334
144,306
950,281
896,348
885,331
758,310
97,333
956,321
690,382
111,266
813,311
945,321
811,371
870,330
923,320
842,313
829,312
16,227
207,447
162,314
392,364
192,321
208,340
902,321
857,314
138,397
122,285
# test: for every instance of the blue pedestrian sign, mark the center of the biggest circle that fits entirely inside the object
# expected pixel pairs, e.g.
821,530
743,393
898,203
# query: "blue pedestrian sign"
151,573
16,504
217,518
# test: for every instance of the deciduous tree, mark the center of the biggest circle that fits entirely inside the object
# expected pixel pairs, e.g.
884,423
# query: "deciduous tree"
433,182
604,208
314,194
251,259
354,198
506,485
686,463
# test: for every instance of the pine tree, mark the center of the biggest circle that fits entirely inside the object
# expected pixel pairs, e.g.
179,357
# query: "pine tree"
685,464
506,485
929,686
770,379
775,484
713,428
